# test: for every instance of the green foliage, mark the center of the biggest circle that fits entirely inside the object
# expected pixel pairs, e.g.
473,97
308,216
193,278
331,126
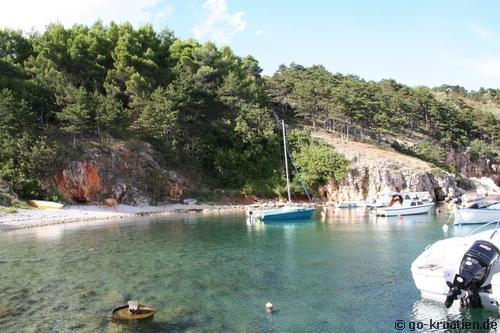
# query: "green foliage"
75,115
319,163
449,115
431,152
480,149
204,107
157,114
110,115
8,210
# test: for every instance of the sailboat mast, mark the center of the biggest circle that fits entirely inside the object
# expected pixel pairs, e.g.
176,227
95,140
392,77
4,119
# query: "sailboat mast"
286,164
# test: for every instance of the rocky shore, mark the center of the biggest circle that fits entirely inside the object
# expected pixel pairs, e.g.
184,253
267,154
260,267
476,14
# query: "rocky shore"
28,218
32,217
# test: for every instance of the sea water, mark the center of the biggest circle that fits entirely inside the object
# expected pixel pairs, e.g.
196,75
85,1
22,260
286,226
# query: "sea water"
345,271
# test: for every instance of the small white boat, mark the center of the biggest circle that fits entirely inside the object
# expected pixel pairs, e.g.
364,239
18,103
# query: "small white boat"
470,200
383,199
483,214
405,204
461,268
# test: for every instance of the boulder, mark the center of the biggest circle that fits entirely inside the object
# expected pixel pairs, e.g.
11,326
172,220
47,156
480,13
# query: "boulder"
111,202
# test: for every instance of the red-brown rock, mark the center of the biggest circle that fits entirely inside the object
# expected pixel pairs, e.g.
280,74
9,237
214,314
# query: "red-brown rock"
125,173
111,202
79,181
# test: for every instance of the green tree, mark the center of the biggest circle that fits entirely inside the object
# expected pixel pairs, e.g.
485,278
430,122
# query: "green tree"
157,114
319,163
75,115
110,115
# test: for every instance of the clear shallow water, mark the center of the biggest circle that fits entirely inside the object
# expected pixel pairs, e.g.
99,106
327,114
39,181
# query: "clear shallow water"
346,273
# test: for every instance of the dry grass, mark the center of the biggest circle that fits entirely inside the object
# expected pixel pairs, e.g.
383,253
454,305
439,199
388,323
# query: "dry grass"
369,153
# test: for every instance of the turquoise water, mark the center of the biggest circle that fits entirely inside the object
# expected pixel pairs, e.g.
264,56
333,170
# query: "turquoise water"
345,273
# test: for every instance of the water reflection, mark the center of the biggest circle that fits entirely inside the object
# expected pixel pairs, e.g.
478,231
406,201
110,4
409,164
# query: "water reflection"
425,310
403,219
215,273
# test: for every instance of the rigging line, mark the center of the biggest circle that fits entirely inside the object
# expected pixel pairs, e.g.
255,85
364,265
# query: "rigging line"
300,177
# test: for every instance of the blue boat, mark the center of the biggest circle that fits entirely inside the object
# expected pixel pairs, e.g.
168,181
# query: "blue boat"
289,213
286,214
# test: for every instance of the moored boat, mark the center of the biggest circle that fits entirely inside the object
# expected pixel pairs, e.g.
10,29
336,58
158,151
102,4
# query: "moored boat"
482,214
288,213
45,204
470,200
405,204
461,268
383,199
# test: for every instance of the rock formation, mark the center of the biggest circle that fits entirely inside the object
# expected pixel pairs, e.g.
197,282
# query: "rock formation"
365,180
127,173
375,170
7,197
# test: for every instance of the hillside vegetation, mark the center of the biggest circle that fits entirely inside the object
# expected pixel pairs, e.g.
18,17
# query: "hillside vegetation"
204,109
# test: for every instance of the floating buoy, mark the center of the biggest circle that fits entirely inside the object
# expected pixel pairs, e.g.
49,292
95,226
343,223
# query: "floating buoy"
133,311
269,307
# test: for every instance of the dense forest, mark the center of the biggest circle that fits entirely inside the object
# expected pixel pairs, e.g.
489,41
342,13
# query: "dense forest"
204,108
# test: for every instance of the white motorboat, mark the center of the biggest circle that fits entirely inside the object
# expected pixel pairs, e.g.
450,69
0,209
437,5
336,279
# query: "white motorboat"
405,204
482,214
383,199
470,200
461,268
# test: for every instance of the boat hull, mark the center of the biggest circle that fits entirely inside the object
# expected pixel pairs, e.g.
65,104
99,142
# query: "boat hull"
476,216
410,210
441,261
287,214
45,204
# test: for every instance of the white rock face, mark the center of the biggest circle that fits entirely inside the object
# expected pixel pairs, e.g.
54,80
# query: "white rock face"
366,180
374,170
485,186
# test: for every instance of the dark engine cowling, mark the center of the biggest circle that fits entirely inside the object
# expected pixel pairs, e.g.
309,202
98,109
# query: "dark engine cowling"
475,268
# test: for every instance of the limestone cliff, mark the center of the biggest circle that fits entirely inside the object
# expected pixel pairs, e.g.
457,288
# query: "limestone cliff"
374,169
128,173
482,167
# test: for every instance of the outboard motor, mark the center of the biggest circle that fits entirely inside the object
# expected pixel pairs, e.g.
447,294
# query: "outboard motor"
475,269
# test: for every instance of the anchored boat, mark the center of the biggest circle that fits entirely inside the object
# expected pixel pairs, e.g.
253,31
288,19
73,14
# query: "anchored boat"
384,199
288,213
405,204
481,214
461,268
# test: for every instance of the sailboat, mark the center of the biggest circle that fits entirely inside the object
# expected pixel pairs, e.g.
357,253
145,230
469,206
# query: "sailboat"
288,213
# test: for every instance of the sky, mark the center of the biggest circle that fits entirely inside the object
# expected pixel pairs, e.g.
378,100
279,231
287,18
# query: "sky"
419,42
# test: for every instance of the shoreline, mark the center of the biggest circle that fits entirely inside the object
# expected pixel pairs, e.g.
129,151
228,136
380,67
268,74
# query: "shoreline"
34,217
